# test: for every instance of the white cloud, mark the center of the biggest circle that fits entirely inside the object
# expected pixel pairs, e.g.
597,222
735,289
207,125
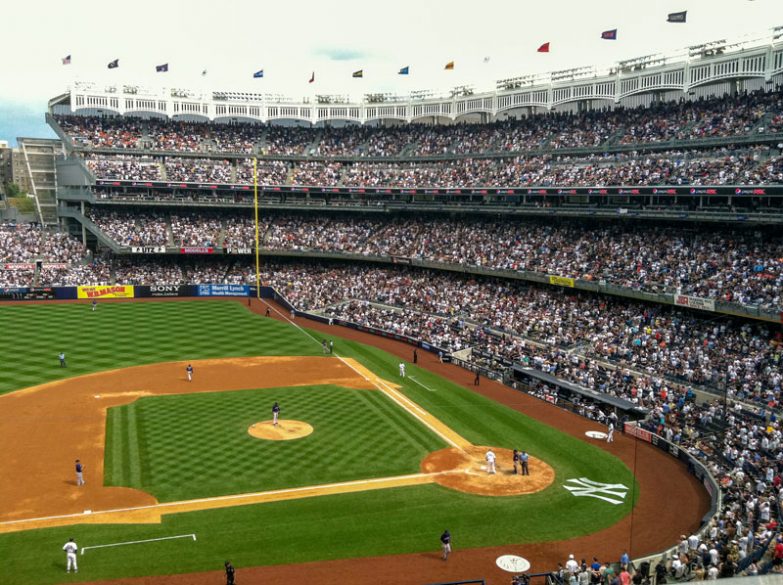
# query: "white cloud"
232,39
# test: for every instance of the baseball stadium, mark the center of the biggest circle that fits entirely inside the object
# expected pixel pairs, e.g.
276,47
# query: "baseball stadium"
529,333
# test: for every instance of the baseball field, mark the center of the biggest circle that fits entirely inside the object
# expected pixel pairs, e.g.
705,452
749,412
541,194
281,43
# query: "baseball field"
181,476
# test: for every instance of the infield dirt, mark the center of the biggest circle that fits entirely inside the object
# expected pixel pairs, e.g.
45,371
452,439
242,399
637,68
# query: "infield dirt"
66,420
671,502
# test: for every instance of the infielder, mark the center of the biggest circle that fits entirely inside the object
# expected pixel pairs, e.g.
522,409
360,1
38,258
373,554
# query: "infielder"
402,369
275,413
79,473
490,457
70,549
610,434
189,371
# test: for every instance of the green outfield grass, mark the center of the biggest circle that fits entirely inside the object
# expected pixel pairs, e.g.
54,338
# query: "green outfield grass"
197,445
119,335
373,523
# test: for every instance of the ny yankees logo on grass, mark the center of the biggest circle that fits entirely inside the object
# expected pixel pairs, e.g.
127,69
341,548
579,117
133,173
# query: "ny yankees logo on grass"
596,489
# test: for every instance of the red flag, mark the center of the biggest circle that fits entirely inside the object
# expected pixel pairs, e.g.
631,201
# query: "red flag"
544,48
312,78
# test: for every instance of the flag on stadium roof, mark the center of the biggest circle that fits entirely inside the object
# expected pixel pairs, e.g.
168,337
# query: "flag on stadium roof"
67,60
449,66
312,78
203,73
258,74
162,68
404,70
609,35
677,16
114,64
359,73
486,59
544,48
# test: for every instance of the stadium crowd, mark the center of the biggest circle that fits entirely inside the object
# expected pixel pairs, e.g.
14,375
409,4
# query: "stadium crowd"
737,266
757,165
723,116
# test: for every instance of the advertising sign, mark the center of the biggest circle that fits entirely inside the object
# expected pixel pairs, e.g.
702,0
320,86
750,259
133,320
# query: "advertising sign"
694,302
222,290
561,281
119,291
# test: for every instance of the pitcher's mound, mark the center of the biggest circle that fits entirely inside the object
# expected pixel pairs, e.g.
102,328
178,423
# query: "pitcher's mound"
466,471
284,431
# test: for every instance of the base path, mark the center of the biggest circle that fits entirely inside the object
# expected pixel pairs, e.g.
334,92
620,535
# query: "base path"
45,428
671,502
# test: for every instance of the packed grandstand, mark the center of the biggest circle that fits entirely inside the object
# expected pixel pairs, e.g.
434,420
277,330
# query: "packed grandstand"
603,304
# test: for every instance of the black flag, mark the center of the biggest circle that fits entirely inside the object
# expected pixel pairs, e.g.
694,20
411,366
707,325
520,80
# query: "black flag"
677,16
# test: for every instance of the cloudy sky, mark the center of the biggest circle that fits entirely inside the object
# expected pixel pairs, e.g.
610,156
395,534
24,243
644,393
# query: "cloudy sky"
289,40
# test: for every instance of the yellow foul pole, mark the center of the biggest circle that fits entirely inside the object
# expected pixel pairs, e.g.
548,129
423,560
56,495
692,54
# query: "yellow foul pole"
255,206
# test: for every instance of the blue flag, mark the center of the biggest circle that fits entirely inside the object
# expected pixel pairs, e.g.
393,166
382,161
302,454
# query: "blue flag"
404,71
114,64
259,73
162,68
609,35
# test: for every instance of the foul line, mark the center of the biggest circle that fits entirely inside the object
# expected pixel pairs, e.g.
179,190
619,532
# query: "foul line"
403,401
401,479
84,548
422,385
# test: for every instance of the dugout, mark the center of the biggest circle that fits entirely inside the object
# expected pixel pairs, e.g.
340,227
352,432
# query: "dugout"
572,396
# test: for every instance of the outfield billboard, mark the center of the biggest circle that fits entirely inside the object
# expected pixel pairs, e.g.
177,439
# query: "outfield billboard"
117,291
25,293
222,290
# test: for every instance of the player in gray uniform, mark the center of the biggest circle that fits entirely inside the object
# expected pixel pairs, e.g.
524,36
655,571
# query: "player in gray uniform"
445,544
79,473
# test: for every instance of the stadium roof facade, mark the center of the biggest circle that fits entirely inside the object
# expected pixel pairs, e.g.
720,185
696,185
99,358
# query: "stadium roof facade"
674,74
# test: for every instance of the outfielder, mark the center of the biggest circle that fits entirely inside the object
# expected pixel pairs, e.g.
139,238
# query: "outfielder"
61,357
490,457
275,413
189,371
70,549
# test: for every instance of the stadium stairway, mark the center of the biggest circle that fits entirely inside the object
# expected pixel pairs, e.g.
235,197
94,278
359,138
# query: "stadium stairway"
763,122
39,157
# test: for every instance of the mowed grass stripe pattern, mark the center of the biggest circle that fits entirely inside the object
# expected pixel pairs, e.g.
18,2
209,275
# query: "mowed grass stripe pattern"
193,446
362,524
119,335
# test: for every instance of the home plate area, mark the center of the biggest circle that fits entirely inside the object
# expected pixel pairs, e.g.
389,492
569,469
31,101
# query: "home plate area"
465,470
